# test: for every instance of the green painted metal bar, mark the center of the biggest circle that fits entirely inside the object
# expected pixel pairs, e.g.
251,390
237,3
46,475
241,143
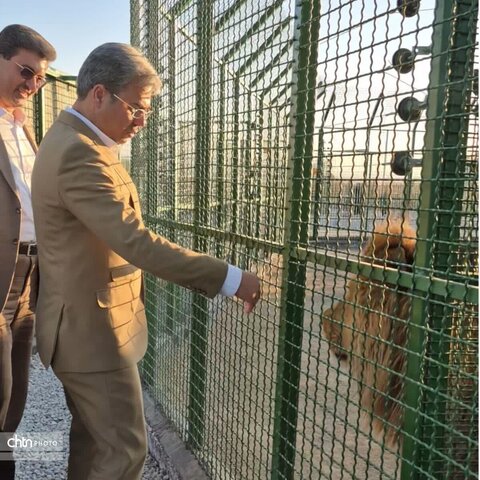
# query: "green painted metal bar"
445,137
172,125
192,40
235,158
279,216
170,298
228,14
253,29
39,114
135,41
179,7
437,426
264,46
52,74
220,207
249,174
134,23
199,333
285,49
319,175
258,154
227,236
150,282
366,193
276,81
422,280
307,26
65,78
280,94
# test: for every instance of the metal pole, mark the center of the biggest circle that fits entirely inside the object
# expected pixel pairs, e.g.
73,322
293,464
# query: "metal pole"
198,344
170,298
302,118
320,174
150,282
39,115
425,426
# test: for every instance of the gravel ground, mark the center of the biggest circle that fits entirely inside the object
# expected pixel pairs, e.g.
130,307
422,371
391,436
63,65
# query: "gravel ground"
47,412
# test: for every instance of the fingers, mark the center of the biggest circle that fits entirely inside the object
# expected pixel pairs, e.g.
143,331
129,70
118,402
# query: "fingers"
249,291
248,307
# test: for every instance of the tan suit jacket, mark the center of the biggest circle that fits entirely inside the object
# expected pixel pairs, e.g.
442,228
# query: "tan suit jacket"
92,245
10,215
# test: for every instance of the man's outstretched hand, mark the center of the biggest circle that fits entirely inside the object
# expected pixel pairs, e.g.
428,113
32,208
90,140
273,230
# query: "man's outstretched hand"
249,291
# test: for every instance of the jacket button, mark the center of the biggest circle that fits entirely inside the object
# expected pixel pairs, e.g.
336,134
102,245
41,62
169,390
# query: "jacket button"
15,241
19,210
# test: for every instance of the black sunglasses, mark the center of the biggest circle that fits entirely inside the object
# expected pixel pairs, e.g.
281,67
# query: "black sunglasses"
27,74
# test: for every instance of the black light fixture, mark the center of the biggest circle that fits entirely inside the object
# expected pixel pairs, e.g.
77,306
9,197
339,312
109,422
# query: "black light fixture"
408,8
410,109
402,163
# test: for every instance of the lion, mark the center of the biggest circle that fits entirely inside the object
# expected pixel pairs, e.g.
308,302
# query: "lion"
368,329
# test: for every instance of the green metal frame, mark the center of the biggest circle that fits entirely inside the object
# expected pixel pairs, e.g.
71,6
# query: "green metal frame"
298,198
199,333
443,159
255,106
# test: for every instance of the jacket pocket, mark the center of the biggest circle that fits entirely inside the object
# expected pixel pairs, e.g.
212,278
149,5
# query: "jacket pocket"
120,301
127,270
119,294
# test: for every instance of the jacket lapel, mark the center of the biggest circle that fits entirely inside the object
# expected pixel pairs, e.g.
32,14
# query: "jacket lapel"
5,167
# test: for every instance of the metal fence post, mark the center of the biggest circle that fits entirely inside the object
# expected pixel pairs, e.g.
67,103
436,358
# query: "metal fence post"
170,296
425,422
135,41
150,282
302,115
199,334
39,114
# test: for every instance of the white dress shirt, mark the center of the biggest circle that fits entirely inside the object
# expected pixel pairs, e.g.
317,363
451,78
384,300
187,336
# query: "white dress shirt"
234,274
22,157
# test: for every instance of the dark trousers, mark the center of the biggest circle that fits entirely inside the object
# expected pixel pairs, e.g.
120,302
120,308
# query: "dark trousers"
16,333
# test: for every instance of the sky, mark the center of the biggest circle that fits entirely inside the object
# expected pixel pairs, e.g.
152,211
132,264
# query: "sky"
74,28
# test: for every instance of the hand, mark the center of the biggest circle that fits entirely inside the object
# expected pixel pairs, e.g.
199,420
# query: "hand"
249,291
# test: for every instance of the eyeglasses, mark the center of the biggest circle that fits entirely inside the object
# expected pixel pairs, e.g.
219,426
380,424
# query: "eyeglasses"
27,74
137,113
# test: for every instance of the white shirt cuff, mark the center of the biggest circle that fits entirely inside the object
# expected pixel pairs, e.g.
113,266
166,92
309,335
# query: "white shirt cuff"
232,281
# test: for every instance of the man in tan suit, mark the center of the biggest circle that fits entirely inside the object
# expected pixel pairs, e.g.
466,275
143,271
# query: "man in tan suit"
24,59
92,247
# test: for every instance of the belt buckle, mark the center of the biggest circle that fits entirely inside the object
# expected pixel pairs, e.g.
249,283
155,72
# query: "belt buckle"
29,247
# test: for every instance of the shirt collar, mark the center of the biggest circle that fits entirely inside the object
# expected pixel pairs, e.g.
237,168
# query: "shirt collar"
104,138
17,116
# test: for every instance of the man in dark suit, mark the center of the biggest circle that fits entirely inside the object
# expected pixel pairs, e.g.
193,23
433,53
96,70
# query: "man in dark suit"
24,59
93,245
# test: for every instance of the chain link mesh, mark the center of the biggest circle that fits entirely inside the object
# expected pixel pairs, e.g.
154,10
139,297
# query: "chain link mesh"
58,93
285,134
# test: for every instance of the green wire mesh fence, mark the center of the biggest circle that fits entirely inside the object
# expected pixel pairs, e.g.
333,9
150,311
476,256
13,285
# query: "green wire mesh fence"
287,133
57,94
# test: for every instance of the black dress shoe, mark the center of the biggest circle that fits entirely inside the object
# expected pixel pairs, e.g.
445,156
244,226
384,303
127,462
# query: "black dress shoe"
7,470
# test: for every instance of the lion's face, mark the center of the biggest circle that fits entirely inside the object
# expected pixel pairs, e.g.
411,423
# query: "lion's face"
337,324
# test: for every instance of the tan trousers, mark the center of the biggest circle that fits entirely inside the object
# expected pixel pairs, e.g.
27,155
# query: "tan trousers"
107,435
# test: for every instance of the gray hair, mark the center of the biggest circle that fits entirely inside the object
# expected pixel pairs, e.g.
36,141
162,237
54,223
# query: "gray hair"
14,37
115,66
